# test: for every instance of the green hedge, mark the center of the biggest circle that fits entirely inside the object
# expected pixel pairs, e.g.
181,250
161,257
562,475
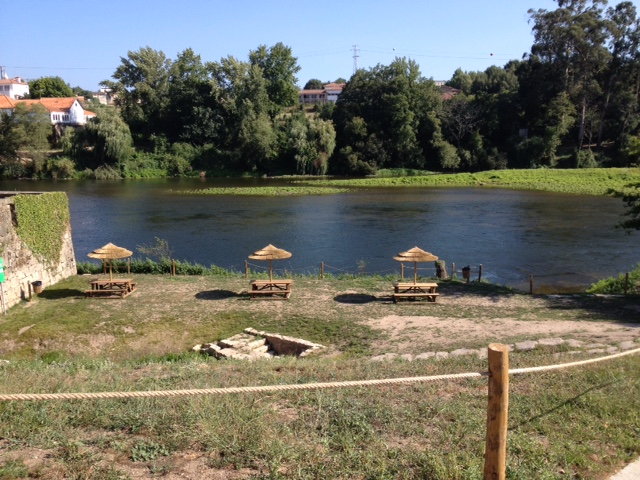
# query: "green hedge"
148,266
42,221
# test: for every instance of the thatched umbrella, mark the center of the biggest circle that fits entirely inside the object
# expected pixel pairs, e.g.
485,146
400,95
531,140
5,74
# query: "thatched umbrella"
108,253
415,255
270,253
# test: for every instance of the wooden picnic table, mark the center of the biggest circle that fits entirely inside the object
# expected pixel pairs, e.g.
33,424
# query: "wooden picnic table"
413,291
112,288
270,289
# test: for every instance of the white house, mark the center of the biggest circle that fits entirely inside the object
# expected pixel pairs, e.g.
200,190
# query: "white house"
12,87
333,91
62,111
329,93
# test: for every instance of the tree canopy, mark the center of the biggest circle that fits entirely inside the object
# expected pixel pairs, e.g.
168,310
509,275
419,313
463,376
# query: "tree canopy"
571,102
49,87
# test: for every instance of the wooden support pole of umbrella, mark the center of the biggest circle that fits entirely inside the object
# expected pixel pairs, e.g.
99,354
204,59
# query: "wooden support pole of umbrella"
108,253
270,253
415,255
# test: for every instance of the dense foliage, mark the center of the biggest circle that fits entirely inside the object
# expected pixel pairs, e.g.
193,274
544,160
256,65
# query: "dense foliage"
572,102
41,222
49,87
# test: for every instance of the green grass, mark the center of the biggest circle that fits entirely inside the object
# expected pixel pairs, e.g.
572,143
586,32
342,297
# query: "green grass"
593,181
263,191
579,423
573,423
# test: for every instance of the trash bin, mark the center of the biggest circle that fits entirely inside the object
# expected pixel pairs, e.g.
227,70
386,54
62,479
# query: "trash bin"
466,273
37,286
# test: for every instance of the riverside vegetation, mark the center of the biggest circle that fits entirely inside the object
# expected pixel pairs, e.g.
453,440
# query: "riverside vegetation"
573,423
554,107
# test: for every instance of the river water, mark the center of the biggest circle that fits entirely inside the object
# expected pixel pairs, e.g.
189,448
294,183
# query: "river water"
566,242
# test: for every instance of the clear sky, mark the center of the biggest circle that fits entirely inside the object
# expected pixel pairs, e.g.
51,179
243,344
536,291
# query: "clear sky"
83,41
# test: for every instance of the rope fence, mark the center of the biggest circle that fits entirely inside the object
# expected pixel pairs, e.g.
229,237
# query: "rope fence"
497,404
306,386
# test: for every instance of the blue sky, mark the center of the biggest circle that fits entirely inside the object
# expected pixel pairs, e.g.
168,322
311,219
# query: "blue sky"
82,41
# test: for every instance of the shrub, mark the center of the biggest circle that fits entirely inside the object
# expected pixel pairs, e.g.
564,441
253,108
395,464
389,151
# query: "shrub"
616,285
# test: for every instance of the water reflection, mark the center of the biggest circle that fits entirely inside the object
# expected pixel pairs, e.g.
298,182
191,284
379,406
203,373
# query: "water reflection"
563,240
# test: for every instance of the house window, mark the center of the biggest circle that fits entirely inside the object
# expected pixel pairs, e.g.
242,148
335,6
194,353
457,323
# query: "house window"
65,118
56,117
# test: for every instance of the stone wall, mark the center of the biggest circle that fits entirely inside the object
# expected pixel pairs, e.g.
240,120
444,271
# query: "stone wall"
21,266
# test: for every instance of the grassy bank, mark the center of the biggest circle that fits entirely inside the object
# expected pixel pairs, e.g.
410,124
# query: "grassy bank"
263,191
592,181
578,423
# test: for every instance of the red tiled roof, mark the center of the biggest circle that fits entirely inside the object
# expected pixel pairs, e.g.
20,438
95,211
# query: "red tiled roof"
9,81
449,92
6,103
334,86
51,104
311,92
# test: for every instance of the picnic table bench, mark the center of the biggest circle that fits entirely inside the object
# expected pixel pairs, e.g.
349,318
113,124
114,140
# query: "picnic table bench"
270,289
414,291
114,288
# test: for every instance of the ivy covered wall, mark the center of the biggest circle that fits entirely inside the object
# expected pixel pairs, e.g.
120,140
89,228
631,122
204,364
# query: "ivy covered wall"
35,242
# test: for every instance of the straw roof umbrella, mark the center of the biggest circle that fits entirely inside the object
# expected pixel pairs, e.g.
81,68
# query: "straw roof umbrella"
108,253
415,255
270,253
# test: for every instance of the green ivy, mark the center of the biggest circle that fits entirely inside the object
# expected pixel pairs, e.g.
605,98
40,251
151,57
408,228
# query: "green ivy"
42,221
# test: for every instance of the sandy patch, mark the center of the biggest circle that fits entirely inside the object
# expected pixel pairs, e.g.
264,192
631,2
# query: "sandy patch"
419,332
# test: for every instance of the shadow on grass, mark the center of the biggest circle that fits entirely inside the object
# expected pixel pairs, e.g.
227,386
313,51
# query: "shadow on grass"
560,406
216,295
55,294
355,298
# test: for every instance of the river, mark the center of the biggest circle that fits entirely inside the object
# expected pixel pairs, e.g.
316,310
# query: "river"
566,241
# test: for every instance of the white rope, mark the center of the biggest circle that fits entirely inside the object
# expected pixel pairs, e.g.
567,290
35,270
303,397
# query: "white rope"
219,391
516,371
276,388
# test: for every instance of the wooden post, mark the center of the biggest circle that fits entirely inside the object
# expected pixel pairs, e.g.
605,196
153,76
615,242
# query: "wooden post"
495,458
322,270
4,305
402,271
173,268
479,273
246,269
453,269
531,283
626,283
129,266
29,287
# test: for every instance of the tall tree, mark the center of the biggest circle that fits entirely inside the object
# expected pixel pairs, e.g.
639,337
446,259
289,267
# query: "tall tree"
49,87
193,113
573,39
382,118
279,69
141,90
619,114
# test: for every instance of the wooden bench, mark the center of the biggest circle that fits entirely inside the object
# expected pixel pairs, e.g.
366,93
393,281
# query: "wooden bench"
431,297
108,293
117,288
400,287
414,291
270,289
